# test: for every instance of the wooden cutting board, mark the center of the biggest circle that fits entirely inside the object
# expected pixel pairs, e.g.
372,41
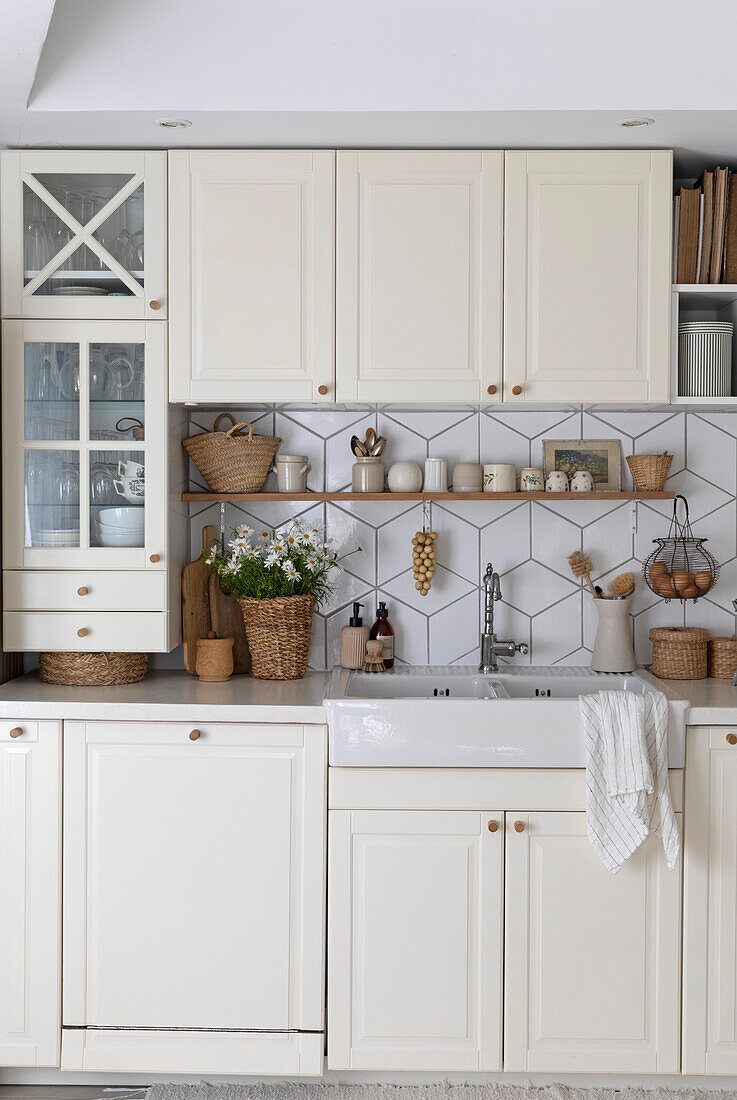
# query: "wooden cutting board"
196,601
226,617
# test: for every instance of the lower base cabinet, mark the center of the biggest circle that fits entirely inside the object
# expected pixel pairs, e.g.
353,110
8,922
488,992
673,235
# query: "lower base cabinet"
591,975
30,892
194,897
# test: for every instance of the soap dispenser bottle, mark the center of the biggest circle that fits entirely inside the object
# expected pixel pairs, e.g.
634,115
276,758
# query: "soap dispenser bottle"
353,640
384,631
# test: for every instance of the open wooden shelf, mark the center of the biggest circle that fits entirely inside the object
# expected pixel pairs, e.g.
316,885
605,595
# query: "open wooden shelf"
339,497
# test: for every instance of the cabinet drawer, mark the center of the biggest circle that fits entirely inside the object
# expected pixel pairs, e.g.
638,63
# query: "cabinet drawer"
84,590
126,632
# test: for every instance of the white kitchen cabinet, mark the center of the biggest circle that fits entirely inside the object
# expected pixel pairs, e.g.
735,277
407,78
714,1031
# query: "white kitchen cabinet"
30,885
419,275
73,393
194,893
252,275
84,234
592,959
587,275
415,941
710,912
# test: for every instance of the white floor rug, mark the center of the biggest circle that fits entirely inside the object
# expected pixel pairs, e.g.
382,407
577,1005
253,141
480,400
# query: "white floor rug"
287,1091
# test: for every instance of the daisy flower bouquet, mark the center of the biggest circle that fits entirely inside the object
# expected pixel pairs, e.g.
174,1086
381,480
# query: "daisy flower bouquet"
279,577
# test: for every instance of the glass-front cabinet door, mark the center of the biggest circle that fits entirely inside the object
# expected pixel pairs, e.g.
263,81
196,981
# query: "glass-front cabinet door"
84,234
84,444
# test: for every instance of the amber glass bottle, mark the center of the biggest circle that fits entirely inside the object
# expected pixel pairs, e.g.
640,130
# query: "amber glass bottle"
384,630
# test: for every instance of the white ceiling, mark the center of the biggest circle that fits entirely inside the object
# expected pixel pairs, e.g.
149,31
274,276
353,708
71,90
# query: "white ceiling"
374,72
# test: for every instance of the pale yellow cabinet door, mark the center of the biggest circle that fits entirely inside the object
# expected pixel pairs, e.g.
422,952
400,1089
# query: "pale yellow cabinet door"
587,273
710,913
592,959
252,275
30,887
419,258
415,941
194,876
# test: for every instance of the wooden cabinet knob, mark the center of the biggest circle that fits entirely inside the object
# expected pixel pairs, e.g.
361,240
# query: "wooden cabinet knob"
82,632
732,738
82,591
154,558
194,735
153,304
493,826
491,390
322,390
516,390
17,732
519,826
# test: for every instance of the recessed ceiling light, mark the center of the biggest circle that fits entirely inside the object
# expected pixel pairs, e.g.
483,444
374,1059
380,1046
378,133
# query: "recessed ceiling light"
173,123
635,122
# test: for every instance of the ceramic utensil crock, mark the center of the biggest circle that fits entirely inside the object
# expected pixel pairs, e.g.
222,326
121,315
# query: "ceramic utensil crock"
613,649
368,475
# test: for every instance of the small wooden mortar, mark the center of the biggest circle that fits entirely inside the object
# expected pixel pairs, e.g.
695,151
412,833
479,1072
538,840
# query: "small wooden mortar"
214,661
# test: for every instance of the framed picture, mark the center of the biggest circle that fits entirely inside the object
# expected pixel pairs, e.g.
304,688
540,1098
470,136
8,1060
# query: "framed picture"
601,457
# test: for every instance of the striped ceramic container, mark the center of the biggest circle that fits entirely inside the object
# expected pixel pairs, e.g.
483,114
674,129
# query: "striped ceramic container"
705,358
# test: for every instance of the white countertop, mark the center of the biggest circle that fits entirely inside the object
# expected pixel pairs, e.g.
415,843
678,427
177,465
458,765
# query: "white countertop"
179,696
170,695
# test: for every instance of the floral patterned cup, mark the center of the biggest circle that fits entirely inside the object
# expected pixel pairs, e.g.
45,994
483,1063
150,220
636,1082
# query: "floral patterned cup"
556,482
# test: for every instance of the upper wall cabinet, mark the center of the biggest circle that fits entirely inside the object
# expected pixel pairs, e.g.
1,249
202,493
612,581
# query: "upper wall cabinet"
587,273
252,275
84,234
419,268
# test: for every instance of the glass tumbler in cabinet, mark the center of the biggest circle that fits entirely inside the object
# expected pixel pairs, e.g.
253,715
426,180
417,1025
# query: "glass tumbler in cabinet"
84,234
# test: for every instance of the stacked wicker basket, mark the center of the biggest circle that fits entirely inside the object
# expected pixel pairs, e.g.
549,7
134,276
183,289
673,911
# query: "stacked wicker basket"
688,653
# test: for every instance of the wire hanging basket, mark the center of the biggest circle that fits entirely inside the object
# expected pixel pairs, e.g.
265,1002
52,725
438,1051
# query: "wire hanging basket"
680,568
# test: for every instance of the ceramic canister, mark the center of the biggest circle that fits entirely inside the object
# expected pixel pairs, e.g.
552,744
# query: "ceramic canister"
468,477
500,477
531,480
404,477
436,475
556,482
582,482
291,473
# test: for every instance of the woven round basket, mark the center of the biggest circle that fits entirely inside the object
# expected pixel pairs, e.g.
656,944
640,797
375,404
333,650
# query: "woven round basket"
679,652
279,633
92,669
232,461
722,658
649,471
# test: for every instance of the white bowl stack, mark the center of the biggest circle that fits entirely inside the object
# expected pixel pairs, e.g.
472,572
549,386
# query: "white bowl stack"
120,526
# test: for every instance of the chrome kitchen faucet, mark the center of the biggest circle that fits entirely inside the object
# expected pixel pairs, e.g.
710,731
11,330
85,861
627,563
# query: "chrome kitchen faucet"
490,647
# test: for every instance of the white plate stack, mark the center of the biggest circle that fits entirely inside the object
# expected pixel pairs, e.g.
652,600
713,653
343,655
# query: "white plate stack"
705,358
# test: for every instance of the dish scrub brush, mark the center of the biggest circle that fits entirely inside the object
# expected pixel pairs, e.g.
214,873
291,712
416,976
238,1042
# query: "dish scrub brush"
581,566
623,585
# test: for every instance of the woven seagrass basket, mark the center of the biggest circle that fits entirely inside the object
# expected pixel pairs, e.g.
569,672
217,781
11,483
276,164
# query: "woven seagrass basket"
649,471
722,658
92,669
679,652
232,461
279,633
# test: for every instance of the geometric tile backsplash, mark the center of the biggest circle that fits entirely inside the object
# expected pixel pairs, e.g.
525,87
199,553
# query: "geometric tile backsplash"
527,542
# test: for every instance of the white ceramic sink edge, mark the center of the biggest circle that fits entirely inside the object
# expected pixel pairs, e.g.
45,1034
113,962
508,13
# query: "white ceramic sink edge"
401,722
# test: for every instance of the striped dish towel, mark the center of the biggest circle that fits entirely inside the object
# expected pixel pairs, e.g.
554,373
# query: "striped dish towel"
627,792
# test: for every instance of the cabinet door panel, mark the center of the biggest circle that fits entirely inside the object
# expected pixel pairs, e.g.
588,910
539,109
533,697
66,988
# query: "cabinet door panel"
419,275
592,962
194,876
252,275
710,930
30,884
414,975
587,275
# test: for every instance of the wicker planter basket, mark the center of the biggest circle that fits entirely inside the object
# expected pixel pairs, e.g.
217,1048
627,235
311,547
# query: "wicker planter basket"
679,653
279,633
723,658
649,471
232,461
92,669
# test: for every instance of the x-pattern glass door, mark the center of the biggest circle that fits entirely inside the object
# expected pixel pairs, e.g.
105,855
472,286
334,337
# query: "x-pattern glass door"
85,234
84,483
